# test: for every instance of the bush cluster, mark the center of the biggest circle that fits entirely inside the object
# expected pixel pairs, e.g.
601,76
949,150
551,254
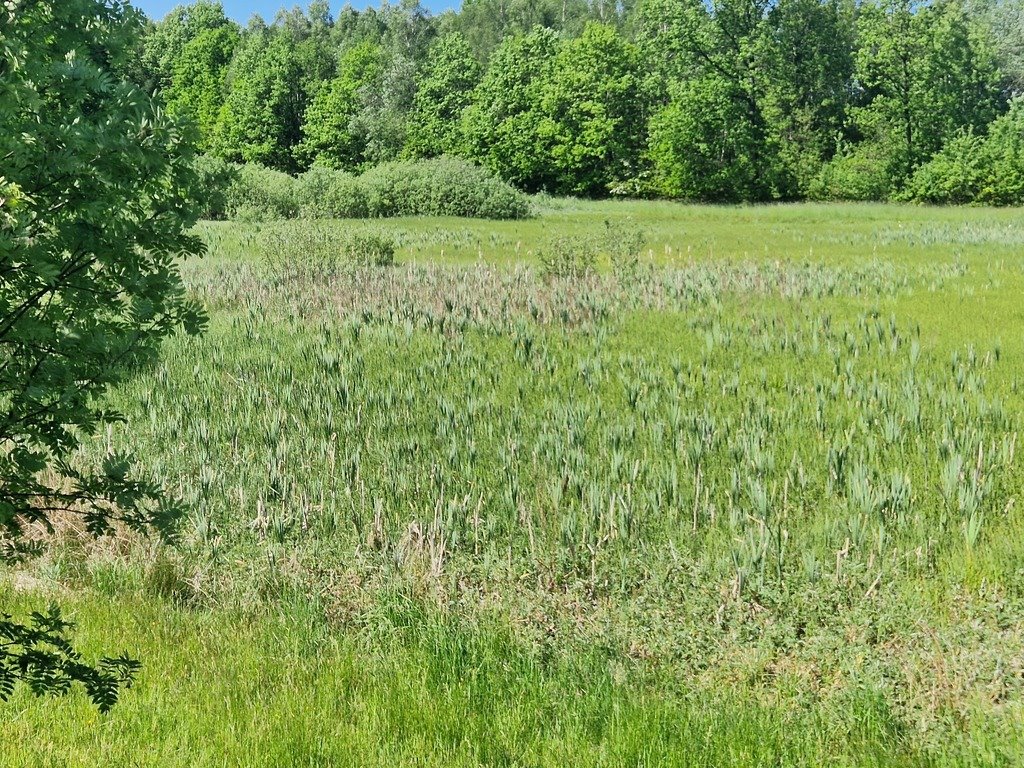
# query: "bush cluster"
257,193
442,186
862,173
972,168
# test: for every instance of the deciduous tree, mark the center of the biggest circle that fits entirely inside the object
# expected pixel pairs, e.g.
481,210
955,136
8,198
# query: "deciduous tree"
96,200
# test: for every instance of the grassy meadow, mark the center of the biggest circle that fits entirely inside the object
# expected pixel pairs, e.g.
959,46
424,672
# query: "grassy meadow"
742,496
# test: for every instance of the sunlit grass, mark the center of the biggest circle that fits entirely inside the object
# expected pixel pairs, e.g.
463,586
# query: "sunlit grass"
278,689
749,501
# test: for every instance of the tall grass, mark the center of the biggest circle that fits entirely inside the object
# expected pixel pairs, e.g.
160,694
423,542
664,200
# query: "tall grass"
278,690
741,510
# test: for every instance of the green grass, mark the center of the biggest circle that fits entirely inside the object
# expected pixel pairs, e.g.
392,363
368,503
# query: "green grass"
280,690
845,234
750,500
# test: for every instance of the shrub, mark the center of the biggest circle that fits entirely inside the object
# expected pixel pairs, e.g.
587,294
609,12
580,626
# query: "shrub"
444,186
370,249
861,173
623,241
569,257
301,252
259,193
324,193
215,179
977,169
315,251
955,175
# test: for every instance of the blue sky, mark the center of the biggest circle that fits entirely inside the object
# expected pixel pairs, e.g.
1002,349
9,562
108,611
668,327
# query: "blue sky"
241,10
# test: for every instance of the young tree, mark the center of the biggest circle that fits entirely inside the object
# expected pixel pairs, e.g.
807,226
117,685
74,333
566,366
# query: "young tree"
317,54
96,198
660,31
445,90
328,133
501,126
310,32
593,118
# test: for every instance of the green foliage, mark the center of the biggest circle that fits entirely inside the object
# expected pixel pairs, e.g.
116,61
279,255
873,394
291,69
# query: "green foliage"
623,242
197,87
591,112
97,203
445,90
748,115
443,186
659,29
1003,22
954,175
809,63
502,126
317,252
165,42
370,249
486,24
261,119
387,104
215,178
854,173
735,100
976,169
258,193
329,136
926,73
618,244
568,257
702,146
324,193
39,655
1004,156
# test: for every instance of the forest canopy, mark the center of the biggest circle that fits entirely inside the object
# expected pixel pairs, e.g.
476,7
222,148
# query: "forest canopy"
721,101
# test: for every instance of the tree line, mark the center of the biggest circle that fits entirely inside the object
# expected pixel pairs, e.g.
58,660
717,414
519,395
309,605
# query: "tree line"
716,100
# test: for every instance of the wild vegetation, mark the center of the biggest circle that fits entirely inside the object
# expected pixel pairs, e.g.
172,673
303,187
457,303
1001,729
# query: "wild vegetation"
716,503
733,100
441,186
96,185
510,479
